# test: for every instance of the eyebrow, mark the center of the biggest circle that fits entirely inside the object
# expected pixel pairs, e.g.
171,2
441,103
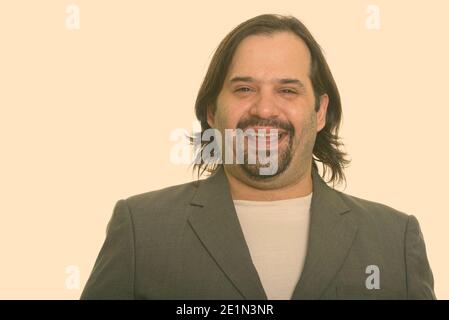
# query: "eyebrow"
281,81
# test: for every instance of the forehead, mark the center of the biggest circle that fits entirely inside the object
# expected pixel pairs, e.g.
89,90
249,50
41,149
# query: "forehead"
276,55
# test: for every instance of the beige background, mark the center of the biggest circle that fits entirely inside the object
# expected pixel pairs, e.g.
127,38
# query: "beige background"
86,115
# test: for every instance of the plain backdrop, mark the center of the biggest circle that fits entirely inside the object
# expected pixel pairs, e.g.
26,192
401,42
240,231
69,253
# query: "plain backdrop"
86,116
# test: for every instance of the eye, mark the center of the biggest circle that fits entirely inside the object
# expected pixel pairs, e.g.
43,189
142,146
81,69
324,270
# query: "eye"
288,91
243,89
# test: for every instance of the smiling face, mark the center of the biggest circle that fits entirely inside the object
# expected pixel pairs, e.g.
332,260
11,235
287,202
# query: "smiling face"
268,87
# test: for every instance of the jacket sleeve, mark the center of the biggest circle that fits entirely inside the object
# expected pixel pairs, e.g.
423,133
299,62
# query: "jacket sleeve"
418,272
112,276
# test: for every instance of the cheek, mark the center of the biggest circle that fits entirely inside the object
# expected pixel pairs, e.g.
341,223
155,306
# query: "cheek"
224,119
305,127
228,117
296,118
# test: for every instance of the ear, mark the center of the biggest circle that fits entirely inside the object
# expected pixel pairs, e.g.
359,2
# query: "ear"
321,114
210,116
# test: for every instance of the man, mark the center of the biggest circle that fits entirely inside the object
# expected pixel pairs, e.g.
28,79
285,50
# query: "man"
240,234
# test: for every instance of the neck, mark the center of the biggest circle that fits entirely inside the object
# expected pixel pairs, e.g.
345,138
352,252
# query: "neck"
242,191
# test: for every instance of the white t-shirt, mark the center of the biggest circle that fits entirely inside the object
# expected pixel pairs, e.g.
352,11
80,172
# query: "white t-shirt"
276,233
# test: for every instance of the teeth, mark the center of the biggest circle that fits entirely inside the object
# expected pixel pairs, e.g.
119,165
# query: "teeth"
262,134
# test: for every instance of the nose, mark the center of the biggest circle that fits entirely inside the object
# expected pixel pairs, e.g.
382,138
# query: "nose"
264,106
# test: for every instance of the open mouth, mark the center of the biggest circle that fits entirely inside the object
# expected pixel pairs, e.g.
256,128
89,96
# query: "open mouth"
265,135
268,136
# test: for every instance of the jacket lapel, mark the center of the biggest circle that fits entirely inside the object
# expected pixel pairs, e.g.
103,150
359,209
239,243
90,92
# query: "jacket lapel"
215,221
331,233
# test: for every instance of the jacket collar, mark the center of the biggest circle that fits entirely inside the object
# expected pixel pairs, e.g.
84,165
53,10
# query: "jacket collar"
331,233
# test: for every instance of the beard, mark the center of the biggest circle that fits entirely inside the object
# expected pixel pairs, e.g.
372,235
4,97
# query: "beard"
284,158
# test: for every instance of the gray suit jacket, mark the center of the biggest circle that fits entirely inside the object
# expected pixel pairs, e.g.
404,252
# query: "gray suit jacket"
185,242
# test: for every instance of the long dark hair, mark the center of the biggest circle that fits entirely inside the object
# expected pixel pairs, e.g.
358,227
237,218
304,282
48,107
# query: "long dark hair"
326,149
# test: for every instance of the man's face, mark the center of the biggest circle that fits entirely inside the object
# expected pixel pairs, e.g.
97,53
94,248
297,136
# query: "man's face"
268,87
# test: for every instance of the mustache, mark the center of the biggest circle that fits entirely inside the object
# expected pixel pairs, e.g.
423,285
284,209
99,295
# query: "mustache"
274,123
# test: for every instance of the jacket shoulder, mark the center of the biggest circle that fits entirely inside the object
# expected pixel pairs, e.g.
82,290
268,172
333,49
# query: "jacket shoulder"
373,210
379,223
176,195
